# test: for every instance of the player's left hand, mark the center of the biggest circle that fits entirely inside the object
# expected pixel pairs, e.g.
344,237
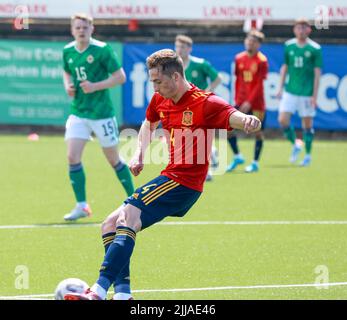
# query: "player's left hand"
136,165
87,86
313,102
251,124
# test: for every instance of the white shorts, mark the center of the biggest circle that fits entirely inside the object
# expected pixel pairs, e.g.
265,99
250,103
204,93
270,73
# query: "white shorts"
292,103
106,130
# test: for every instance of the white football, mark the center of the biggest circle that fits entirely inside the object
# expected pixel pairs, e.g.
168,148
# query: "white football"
71,285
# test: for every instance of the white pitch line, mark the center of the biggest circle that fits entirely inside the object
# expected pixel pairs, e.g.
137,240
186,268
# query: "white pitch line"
40,226
272,286
28,297
182,223
299,222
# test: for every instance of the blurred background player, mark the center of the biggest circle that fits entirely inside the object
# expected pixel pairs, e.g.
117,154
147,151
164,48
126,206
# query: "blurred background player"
251,68
300,75
202,74
90,68
198,71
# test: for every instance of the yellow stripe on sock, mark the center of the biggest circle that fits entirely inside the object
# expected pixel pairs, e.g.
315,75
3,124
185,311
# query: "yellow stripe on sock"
157,189
108,238
108,242
122,231
130,234
161,193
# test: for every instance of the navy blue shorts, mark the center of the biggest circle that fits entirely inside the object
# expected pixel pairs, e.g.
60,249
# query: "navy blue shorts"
161,198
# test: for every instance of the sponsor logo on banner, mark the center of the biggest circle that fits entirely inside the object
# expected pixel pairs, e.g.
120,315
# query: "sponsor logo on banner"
240,10
332,98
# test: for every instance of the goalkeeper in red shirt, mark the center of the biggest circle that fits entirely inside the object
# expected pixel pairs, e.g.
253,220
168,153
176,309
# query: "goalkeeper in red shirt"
251,68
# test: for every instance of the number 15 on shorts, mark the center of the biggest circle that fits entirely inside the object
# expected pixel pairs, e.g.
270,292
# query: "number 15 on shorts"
109,128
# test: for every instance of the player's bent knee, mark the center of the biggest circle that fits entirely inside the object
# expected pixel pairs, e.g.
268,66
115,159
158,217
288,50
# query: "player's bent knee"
113,161
73,159
283,122
112,156
130,217
109,224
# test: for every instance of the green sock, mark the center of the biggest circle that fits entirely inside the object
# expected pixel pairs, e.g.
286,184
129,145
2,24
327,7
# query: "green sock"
124,176
78,181
308,139
289,133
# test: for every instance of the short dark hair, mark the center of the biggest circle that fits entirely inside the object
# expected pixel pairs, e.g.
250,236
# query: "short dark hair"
169,61
257,35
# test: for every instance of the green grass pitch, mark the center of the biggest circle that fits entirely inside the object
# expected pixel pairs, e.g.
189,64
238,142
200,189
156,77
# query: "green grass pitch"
258,260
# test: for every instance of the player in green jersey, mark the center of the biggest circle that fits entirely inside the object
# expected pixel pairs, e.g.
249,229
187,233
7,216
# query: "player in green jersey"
300,75
201,73
90,69
197,70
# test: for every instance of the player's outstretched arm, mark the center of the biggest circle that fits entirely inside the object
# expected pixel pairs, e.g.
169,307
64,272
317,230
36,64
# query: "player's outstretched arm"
247,123
145,138
116,78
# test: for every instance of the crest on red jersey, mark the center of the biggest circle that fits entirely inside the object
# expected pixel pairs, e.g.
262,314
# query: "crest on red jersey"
254,67
187,118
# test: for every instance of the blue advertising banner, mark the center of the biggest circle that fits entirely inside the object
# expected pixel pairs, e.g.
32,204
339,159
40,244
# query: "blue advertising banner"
332,97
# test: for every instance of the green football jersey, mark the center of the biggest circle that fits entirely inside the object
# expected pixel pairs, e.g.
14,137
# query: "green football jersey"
94,64
199,71
301,62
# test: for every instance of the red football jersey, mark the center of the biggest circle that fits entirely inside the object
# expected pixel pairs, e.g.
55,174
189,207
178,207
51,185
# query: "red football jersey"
186,126
250,74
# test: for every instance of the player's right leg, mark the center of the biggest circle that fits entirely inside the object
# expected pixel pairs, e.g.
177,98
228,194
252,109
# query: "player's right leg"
213,162
122,290
238,157
308,134
287,107
107,133
121,168
118,255
76,135
150,203
307,112
259,143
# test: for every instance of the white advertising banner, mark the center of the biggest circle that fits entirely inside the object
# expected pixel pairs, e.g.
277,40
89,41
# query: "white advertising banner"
333,10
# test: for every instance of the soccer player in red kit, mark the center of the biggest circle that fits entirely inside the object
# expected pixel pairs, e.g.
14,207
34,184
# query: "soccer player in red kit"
251,68
187,114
